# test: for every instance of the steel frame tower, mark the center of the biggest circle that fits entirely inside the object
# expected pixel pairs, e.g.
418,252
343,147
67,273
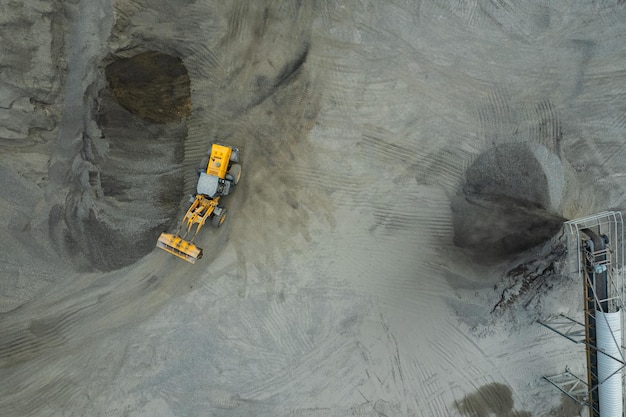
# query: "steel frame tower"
595,246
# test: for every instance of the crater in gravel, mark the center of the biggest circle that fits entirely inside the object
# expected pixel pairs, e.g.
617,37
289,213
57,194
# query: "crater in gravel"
508,202
152,85
128,185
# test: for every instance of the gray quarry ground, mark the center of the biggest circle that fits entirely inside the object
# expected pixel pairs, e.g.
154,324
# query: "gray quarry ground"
407,167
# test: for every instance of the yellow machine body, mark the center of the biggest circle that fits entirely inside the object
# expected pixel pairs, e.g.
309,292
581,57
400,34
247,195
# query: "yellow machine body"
219,160
197,214
178,246
202,208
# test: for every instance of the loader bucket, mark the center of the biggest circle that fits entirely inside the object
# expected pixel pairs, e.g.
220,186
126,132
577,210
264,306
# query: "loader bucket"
178,246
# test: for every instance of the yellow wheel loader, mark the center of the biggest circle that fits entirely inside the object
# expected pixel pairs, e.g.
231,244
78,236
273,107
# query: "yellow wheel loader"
217,177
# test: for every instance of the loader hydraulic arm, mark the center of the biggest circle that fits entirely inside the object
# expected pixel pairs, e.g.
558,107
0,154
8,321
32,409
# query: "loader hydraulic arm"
199,212
180,245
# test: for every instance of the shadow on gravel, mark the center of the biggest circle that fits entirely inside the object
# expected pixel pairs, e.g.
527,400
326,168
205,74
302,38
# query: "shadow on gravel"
152,85
502,208
490,400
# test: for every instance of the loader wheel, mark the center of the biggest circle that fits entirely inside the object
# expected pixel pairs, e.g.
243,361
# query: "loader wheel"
204,163
234,156
218,220
235,173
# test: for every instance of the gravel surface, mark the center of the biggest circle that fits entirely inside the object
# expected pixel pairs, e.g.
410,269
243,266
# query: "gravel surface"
406,168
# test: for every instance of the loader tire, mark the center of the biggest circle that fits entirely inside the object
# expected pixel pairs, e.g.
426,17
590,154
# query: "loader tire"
218,220
234,156
235,173
204,163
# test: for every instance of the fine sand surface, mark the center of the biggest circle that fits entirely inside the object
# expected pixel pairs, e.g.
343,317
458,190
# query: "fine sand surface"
407,167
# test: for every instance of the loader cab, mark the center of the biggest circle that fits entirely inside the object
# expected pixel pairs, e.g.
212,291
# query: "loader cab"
212,186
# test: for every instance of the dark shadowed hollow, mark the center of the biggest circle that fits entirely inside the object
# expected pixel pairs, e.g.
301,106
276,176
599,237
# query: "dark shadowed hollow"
151,85
142,119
